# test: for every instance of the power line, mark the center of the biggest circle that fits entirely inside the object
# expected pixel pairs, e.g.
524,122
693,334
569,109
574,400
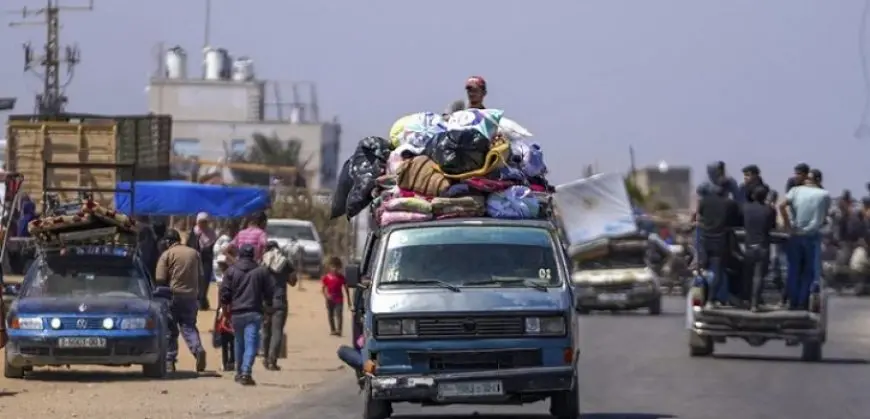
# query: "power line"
52,100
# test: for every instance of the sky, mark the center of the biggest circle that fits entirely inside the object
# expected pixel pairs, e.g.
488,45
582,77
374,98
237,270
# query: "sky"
766,82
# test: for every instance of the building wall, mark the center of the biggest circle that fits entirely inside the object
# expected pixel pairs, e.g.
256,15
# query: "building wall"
213,140
214,118
207,100
673,187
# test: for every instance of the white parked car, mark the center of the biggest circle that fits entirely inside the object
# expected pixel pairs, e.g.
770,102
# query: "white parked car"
300,240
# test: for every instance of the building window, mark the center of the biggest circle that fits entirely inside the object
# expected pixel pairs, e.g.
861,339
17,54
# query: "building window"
238,147
186,147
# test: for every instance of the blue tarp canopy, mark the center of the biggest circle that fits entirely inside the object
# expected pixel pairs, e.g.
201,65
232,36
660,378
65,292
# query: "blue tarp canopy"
173,197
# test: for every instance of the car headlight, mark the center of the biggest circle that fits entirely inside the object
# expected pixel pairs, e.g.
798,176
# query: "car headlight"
134,323
108,323
545,325
396,327
55,323
26,323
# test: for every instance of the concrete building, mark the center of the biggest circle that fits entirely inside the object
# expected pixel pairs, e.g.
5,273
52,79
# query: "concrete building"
216,115
672,187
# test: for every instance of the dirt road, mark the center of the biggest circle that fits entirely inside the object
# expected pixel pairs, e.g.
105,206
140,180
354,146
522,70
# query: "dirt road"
103,392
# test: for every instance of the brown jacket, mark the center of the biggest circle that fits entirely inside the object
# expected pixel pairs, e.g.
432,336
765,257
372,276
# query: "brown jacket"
421,175
180,267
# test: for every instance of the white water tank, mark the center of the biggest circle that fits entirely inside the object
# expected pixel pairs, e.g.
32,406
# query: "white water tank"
176,63
297,114
243,69
216,64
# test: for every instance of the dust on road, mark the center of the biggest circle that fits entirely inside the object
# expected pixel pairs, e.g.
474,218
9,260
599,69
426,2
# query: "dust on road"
105,392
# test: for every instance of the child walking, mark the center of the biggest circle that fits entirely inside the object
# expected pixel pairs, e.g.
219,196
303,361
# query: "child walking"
225,338
334,290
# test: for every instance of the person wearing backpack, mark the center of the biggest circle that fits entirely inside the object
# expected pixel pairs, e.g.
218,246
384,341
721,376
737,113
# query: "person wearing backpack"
282,273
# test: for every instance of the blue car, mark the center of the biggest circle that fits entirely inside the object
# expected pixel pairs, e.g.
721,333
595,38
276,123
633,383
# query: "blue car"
87,306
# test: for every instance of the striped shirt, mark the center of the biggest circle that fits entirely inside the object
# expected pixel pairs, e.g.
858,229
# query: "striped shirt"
255,236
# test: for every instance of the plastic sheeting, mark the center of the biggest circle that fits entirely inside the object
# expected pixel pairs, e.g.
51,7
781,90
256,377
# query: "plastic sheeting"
185,198
516,202
594,208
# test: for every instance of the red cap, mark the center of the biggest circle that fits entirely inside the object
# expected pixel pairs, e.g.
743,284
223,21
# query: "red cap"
476,81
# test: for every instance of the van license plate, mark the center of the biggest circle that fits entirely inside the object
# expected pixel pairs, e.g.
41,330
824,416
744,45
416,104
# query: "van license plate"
470,389
613,297
81,342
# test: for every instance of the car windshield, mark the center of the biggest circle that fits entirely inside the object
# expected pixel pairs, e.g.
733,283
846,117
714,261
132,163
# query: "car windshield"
78,276
284,231
470,256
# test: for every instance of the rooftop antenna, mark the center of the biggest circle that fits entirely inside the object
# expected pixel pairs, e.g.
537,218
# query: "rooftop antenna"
52,100
206,39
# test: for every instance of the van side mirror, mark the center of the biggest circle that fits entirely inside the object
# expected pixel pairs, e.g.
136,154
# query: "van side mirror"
352,275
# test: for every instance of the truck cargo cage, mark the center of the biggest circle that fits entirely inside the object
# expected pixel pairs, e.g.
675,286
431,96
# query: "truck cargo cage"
50,202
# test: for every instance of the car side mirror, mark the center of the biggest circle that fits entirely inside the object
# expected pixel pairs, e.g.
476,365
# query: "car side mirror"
163,292
11,290
352,275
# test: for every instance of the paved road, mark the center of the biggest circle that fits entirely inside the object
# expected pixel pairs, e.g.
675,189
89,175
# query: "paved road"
637,367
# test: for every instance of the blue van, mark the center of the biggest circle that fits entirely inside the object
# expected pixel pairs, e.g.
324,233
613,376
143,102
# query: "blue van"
466,311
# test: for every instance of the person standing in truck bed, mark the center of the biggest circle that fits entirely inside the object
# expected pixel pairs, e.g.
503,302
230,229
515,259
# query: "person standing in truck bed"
759,220
804,212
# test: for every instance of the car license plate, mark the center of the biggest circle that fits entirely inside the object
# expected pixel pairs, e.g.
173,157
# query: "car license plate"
470,389
613,297
81,342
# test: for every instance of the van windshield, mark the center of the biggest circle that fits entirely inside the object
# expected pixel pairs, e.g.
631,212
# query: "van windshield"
471,256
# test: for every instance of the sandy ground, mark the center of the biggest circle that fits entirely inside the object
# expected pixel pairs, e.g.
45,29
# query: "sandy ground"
105,392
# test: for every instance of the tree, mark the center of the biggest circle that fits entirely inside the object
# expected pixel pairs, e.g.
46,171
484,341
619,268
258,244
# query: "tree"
271,151
642,199
637,196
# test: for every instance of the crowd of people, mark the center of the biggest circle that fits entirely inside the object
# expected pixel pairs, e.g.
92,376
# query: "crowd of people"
753,206
253,274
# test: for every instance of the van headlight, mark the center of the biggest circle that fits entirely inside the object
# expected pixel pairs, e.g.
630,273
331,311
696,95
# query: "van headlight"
545,325
396,327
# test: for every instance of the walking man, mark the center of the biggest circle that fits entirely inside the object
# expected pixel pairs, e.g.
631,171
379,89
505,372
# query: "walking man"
246,288
180,268
204,237
253,234
281,272
804,212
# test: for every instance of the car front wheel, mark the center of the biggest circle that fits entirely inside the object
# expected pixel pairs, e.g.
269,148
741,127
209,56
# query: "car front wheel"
12,372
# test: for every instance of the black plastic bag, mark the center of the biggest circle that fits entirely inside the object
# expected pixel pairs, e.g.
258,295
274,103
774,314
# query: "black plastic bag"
342,189
459,152
367,163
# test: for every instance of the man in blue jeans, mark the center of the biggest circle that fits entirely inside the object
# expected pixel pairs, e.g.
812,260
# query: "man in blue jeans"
803,213
247,287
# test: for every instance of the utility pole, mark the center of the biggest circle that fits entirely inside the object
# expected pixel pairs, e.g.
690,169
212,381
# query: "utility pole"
52,100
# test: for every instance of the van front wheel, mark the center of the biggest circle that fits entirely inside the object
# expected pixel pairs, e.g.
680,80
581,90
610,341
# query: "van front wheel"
374,409
566,404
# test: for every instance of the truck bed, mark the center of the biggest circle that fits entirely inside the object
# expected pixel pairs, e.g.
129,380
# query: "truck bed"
771,314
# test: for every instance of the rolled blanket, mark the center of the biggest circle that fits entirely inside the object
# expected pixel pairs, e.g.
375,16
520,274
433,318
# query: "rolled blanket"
418,205
471,206
394,217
